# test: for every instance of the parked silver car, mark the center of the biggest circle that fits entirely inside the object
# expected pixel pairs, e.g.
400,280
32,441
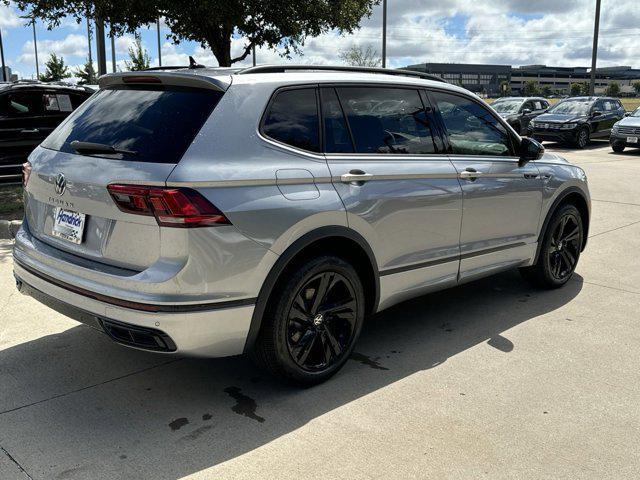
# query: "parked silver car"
270,210
626,132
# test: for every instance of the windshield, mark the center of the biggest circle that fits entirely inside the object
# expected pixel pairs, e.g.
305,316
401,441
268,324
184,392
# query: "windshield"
158,124
636,113
571,107
507,106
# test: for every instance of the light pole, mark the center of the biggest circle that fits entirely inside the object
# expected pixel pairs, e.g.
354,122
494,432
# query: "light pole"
4,72
594,52
384,33
35,47
113,49
159,46
254,55
100,47
89,39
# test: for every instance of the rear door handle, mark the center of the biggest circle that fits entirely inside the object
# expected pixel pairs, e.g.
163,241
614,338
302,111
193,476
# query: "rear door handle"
531,175
356,176
30,130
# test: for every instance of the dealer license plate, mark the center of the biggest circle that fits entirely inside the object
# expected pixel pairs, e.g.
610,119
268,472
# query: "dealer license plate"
68,225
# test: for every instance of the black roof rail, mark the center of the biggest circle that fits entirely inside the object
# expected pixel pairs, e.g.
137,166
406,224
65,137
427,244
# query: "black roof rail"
339,68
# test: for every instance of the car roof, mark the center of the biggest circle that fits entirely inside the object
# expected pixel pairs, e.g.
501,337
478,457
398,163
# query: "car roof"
588,99
518,98
35,84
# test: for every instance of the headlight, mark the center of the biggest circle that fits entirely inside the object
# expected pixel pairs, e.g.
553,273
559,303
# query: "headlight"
569,126
615,127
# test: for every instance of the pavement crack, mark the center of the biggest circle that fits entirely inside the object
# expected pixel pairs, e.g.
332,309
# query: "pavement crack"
90,386
614,229
16,463
618,203
611,288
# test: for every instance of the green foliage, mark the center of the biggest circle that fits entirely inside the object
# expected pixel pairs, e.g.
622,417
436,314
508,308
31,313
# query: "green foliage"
356,56
279,25
636,87
87,74
56,70
581,88
546,91
531,88
138,57
505,88
613,89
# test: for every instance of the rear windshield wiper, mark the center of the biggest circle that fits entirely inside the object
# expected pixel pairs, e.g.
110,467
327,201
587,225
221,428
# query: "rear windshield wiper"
93,148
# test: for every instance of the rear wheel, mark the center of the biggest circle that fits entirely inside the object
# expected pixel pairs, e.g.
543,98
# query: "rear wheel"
617,148
582,140
560,250
312,321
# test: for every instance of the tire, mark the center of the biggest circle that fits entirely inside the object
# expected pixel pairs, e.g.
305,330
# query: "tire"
582,140
617,148
560,250
307,336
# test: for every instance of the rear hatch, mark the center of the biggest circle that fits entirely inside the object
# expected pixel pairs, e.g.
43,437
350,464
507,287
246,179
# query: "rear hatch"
132,132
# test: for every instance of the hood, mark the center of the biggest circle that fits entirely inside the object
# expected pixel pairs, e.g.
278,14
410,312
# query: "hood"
507,114
559,118
630,122
549,157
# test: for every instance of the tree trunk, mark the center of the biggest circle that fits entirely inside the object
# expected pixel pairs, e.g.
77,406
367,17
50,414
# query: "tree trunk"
221,48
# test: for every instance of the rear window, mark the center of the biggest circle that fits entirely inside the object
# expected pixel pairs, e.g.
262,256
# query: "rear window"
158,124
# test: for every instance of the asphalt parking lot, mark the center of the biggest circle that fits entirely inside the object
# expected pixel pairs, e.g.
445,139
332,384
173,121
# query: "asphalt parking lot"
490,380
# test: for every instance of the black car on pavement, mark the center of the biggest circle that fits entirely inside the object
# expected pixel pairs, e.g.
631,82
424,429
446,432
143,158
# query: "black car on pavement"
519,111
29,111
576,120
626,133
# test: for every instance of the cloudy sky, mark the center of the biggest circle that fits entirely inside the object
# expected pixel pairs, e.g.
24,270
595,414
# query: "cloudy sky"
516,32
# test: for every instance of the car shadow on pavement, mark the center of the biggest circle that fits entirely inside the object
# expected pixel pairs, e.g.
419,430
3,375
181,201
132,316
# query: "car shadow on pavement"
593,145
75,405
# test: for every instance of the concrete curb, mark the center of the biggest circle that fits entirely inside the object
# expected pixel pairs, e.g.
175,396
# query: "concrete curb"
9,228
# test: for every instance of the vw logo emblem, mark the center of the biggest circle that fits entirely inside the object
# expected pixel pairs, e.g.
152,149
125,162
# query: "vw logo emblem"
61,184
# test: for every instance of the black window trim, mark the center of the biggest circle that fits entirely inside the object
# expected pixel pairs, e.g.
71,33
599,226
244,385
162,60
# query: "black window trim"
515,140
267,108
385,156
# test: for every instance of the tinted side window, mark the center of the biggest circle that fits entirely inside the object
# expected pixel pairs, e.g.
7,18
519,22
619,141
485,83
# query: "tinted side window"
292,118
24,104
337,138
387,120
471,128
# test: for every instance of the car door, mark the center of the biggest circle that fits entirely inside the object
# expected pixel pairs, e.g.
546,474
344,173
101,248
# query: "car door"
399,189
525,118
20,123
502,199
602,123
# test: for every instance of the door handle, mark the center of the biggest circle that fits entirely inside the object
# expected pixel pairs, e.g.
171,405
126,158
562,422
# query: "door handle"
470,174
530,175
30,130
356,176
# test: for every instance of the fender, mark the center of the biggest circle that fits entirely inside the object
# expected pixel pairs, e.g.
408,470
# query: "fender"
554,206
294,249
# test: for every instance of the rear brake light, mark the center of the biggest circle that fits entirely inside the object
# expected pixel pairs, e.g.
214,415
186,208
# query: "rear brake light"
140,79
172,207
26,173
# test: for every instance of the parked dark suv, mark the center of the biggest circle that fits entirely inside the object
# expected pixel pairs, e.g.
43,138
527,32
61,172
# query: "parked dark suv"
519,111
576,120
29,111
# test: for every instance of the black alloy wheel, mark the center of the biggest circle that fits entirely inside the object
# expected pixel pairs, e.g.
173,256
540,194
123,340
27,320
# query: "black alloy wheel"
583,138
321,321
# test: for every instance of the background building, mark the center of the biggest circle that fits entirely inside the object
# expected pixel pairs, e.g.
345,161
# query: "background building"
9,76
488,79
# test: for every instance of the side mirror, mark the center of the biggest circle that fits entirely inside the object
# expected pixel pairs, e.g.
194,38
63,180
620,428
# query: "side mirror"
526,111
530,149
627,114
596,113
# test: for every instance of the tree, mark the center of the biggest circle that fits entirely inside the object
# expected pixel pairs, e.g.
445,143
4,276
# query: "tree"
280,25
86,73
56,70
138,57
546,91
530,88
576,89
613,89
636,87
358,57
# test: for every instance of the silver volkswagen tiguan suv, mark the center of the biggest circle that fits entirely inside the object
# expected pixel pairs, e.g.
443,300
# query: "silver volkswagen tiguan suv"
270,210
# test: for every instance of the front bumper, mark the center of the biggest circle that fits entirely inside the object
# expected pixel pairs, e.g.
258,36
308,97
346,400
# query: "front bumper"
621,140
563,136
216,332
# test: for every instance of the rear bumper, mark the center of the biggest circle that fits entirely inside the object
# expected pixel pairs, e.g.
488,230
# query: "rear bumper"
215,332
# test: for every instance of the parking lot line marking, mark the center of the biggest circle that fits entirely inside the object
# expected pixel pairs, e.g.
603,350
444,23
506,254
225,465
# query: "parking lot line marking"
15,462
614,229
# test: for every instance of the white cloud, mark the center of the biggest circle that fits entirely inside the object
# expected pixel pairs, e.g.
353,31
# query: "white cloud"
9,17
72,45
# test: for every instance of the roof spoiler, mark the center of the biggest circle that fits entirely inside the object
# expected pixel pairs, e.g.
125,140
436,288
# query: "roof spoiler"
339,68
180,78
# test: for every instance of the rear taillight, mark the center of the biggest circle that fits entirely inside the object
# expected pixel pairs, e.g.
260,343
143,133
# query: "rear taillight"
26,173
172,207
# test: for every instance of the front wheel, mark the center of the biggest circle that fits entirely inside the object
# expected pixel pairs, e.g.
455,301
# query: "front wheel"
312,321
582,140
560,250
617,148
